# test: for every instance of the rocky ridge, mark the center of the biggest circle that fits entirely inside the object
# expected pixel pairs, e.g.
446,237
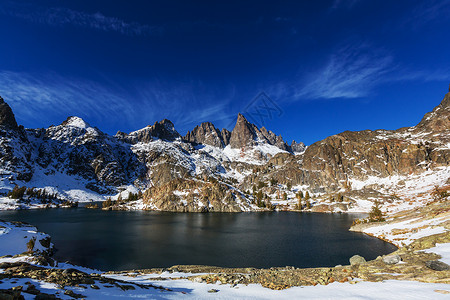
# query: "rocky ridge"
255,165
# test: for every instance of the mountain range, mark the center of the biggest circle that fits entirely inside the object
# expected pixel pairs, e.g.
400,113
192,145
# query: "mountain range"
219,170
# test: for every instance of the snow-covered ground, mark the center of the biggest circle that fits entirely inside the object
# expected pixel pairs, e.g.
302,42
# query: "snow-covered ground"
15,236
405,232
185,289
412,190
443,250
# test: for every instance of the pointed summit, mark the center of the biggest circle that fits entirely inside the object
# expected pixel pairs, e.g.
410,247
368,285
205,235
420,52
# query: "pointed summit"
75,122
243,134
6,115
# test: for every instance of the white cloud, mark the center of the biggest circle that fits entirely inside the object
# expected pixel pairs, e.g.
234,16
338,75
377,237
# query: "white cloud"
32,96
58,16
48,98
349,73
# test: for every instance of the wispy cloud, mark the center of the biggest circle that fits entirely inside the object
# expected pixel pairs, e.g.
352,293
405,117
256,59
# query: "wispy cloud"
432,10
349,73
353,71
39,100
58,16
39,97
421,75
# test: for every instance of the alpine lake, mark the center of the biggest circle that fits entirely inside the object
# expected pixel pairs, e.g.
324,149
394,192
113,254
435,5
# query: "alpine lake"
125,240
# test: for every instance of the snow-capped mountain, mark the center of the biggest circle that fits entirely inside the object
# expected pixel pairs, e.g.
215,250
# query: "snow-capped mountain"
217,170
82,163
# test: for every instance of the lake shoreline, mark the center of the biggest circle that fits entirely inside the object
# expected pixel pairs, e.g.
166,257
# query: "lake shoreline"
413,265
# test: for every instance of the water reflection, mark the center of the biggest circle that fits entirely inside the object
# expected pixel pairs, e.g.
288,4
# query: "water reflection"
112,240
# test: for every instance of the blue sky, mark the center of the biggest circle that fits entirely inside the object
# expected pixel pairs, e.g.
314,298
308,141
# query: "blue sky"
324,66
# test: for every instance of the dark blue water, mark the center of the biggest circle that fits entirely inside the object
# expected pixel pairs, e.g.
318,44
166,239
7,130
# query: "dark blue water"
118,240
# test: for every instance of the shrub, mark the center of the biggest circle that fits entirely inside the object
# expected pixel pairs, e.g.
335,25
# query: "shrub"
289,185
439,194
107,203
261,184
30,244
17,192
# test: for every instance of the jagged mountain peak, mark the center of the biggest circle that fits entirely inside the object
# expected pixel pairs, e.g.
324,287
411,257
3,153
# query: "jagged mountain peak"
75,122
206,133
243,133
164,122
297,147
163,129
247,134
7,117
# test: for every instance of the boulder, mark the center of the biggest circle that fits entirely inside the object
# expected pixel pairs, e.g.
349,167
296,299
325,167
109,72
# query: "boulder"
437,265
392,259
357,260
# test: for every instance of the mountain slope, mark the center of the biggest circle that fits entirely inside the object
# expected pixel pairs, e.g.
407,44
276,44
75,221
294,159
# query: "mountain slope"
217,170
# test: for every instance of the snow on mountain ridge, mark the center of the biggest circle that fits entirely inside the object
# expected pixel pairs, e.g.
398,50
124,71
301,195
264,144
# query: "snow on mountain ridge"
76,122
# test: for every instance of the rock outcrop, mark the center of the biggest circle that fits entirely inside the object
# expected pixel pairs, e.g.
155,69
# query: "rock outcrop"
183,195
297,147
243,134
7,118
246,134
164,130
207,134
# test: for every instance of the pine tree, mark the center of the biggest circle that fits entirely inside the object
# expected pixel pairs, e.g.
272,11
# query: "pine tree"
307,195
375,214
299,197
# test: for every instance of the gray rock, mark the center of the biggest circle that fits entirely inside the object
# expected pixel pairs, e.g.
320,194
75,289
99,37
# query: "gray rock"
392,259
6,115
357,260
213,291
44,296
206,134
437,265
